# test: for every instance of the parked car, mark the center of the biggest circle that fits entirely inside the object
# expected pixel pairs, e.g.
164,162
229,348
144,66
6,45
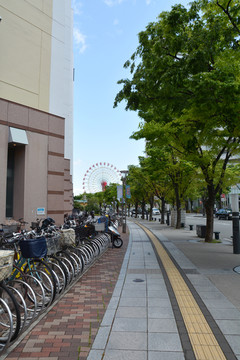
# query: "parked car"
155,211
225,214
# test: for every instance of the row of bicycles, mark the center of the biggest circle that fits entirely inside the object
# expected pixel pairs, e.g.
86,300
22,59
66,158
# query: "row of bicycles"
38,266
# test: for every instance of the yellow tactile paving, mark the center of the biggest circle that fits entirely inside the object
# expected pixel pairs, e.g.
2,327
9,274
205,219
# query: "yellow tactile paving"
204,343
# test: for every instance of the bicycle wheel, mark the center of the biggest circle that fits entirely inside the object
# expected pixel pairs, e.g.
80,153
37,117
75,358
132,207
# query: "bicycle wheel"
6,325
41,265
22,305
13,305
67,255
34,294
29,297
74,252
64,268
85,254
59,273
69,266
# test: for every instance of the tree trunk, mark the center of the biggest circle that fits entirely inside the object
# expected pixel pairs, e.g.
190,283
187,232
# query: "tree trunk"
178,205
143,209
162,210
209,206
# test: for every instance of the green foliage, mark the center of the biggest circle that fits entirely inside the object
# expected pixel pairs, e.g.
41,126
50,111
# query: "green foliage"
185,87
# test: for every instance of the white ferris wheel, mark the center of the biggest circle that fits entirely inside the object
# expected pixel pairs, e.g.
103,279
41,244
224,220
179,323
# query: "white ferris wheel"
99,175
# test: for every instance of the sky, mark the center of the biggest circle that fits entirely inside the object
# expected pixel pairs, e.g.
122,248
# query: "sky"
105,36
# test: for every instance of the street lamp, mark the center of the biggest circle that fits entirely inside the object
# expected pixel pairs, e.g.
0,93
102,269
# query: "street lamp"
234,195
124,220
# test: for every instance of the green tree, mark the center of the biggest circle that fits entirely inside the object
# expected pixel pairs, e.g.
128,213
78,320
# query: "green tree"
185,85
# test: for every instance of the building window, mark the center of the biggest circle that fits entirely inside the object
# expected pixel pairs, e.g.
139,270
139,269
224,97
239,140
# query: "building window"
10,182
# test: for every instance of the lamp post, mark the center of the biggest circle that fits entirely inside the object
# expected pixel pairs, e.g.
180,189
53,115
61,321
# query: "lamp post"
234,195
124,175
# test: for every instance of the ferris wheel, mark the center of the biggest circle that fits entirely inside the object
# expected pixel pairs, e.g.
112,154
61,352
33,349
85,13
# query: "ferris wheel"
99,175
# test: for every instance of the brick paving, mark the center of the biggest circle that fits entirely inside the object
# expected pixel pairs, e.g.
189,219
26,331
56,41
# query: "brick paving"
68,330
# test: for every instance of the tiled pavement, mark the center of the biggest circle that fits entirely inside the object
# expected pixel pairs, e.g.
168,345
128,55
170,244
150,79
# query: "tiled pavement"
142,319
68,330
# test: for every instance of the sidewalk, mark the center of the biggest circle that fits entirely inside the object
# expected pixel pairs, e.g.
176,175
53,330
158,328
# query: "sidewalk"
67,331
125,306
143,322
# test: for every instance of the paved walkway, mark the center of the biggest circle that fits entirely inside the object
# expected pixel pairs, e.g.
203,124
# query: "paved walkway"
179,299
67,331
169,309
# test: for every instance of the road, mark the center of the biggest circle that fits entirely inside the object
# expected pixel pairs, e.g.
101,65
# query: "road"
223,226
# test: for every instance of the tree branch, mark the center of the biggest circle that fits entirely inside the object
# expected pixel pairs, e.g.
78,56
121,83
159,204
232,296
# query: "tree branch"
226,11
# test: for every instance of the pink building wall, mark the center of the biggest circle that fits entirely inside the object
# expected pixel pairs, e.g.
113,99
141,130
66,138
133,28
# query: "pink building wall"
42,174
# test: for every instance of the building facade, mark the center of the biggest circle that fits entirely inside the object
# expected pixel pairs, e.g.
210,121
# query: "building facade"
36,109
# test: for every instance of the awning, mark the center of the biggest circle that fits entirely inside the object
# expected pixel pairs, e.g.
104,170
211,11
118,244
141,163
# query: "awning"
17,136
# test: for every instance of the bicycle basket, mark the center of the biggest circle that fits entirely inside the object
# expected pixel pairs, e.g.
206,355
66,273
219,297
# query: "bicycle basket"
53,244
67,237
33,248
6,263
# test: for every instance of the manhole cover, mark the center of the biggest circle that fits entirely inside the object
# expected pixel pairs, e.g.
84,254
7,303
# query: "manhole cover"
237,269
138,280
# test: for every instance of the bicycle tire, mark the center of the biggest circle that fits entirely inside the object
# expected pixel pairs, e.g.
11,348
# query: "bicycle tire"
35,286
22,306
59,273
67,255
78,256
63,267
6,324
69,266
30,304
12,303
39,264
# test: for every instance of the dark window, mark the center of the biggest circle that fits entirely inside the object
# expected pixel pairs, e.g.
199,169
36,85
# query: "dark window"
10,182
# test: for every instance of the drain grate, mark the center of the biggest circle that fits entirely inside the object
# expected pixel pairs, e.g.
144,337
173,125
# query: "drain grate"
138,280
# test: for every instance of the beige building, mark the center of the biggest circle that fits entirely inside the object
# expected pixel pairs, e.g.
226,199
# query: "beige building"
36,109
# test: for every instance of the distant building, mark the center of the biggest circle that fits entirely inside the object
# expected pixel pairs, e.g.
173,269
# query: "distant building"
36,109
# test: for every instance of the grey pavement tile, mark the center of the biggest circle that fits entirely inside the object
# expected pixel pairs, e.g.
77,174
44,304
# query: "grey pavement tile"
234,342
164,342
135,286
199,280
152,278
113,303
160,313
108,317
130,324
127,341
95,355
157,285
167,355
133,302
162,325
202,288
212,295
229,327
137,294
131,312
124,355
101,338
151,266
218,304
225,314
159,302
117,292
163,294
